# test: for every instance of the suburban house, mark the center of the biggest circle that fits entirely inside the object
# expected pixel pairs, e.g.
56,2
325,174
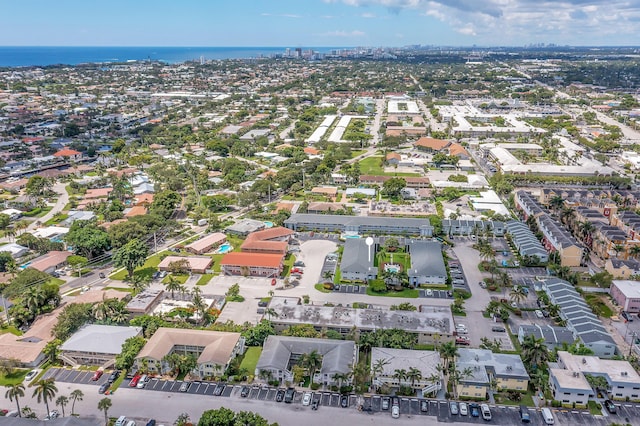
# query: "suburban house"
96,344
484,367
357,261
51,261
569,384
452,227
431,144
195,264
554,337
16,250
68,154
271,240
360,225
626,294
621,268
245,227
144,302
265,265
214,350
392,360
281,353
207,243
427,264
580,319
526,242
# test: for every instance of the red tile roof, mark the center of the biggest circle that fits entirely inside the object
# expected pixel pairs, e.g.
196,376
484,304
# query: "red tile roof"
435,144
264,260
67,153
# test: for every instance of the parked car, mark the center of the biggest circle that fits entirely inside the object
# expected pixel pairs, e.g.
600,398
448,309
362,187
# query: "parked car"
462,340
306,398
279,395
219,389
474,409
610,406
344,401
162,274
498,329
385,404
151,422
524,414
113,376
298,263
274,281
245,391
463,409
30,375
102,275
184,386
315,404
482,284
143,381
395,412
424,405
53,414
97,375
155,275
288,395
103,387
538,313
485,411
453,408
626,315
429,292
134,381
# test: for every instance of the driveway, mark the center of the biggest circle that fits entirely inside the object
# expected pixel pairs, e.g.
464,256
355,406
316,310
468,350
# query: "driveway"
63,199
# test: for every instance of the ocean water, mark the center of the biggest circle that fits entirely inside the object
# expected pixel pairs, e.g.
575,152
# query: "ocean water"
22,56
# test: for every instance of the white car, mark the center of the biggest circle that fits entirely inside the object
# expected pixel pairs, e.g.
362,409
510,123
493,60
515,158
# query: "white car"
463,408
539,313
429,292
30,375
306,399
395,412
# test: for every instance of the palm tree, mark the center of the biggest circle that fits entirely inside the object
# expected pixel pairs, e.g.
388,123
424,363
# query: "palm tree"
173,285
414,375
103,405
198,304
634,251
118,313
618,248
448,352
312,362
34,297
517,294
62,401
534,351
556,202
45,390
378,366
270,312
76,395
457,376
401,375
15,391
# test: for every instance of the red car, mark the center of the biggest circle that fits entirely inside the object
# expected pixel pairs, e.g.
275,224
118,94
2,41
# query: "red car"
462,340
296,271
97,375
273,281
134,381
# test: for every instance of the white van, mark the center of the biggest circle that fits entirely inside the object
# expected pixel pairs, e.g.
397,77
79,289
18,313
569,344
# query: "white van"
547,416
122,420
486,412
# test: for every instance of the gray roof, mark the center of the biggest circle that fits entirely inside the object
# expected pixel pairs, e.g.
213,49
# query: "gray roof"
337,355
103,339
550,334
246,226
357,221
357,258
426,259
502,365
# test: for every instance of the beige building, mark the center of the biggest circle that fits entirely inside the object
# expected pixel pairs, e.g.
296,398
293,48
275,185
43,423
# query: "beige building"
213,350
480,367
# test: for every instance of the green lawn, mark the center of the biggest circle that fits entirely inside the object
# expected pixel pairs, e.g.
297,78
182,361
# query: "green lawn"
181,278
371,166
407,292
55,280
216,262
149,267
526,399
288,264
250,359
204,279
10,329
402,258
321,288
13,378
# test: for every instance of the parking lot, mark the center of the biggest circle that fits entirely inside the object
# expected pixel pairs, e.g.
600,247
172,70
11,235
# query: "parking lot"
74,376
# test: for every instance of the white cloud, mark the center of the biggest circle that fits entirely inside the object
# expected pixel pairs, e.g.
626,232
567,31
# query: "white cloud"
339,33
368,15
282,15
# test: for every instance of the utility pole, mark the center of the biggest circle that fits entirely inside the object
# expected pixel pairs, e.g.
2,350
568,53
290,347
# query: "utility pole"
155,243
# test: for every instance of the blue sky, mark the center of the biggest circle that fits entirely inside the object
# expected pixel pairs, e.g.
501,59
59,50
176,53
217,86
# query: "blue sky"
319,22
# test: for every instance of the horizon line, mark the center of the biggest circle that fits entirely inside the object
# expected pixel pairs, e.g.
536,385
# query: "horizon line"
475,46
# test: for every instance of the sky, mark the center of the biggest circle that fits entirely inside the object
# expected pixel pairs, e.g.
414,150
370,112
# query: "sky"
311,23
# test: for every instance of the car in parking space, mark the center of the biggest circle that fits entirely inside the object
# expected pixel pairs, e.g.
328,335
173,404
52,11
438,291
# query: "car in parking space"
273,281
134,381
299,263
384,404
30,375
610,406
356,288
498,329
485,412
538,313
103,387
184,386
463,340
453,408
336,287
315,404
288,395
219,389
155,275
143,381
482,284
463,409
244,392
429,292
524,414
626,315
306,398
344,401
53,414
113,376
474,409
151,422
449,293
280,395
424,405
97,375
395,412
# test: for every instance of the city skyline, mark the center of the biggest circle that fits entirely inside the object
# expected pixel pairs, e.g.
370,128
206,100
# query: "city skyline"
321,23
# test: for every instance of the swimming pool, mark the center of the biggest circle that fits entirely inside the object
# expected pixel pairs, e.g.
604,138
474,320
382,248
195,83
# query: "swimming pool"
268,224
392,268
224,248
352,236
